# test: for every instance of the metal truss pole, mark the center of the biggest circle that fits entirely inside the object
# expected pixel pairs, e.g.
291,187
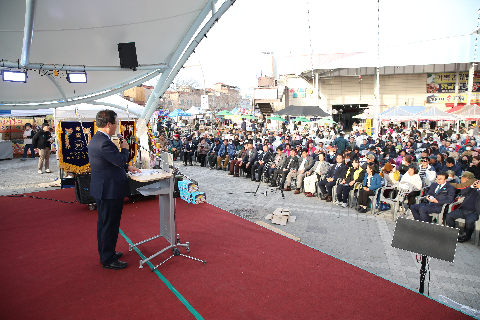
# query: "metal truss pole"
28,31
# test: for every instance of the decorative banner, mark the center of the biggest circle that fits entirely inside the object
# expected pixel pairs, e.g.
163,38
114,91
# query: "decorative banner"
450,87
449,98
127,130
451,77
74,138
368,126
292,90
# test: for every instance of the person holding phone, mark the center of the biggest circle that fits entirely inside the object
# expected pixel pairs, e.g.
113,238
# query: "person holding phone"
42,142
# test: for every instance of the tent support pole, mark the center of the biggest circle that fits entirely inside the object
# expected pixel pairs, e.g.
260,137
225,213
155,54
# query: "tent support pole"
28,31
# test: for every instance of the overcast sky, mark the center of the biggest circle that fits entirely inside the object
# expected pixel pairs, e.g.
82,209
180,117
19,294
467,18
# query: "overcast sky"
232,52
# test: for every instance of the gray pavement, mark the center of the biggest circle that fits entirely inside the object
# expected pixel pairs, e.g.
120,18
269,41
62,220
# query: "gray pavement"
360,239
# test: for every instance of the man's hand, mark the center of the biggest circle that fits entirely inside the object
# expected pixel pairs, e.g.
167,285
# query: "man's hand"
124,145
260,162
366,189
302,171
343,181
247,165
308,173
133,169
329,179
351,183
293,171
432,199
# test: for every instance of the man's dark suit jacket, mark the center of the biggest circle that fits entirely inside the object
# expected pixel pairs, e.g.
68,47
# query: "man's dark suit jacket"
291,165
445,194
340,173
109,166
264,156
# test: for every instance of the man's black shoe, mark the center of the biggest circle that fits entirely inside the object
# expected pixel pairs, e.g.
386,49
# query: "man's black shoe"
116,265
258,180
463,238
118,255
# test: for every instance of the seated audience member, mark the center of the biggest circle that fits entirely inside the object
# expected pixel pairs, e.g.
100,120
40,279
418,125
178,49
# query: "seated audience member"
291,164
465,181
263,159
434,163
305,164
354,174
318,172
371,182
474,167
440,193
223,155
249,158
212,154
469,210
451,177
370,160
277,163
390,174
337,171
176,146
236,162
426,172
188,151
412,177
464,163
202,150
406,162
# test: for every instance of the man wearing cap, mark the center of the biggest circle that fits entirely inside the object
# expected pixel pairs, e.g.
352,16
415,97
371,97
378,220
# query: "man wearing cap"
469,209
440,193
42,140
466,180
370,159
434,164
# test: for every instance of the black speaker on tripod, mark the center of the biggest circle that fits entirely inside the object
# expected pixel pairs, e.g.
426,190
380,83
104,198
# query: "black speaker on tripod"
128,55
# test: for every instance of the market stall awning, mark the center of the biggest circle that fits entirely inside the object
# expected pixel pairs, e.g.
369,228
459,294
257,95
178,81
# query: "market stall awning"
456,108
302,111
433,113
469,112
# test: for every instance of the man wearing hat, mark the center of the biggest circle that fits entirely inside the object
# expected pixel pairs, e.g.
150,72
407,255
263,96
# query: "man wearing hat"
466,180
434,164
370,159
469,209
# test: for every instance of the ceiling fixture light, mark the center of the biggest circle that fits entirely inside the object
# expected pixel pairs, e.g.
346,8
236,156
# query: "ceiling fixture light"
14,76
77,77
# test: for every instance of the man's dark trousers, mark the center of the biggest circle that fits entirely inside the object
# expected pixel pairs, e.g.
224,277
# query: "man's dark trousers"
108,225
421,211
326,187
469,216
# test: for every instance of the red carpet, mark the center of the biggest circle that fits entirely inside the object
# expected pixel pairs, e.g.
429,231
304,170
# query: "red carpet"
50,270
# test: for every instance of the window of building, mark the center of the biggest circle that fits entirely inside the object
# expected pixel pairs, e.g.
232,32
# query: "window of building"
181,102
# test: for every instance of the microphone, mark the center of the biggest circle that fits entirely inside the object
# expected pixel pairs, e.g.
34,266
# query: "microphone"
120,137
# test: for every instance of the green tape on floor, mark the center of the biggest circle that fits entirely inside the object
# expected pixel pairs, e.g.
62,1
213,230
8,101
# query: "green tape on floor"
167,283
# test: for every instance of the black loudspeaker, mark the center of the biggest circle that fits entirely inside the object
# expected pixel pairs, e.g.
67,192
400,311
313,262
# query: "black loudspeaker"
128,55
82,189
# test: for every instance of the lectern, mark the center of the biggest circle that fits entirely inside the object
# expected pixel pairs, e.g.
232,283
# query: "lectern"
163,186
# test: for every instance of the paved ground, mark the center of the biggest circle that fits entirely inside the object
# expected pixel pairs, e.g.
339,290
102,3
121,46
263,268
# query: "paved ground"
360,239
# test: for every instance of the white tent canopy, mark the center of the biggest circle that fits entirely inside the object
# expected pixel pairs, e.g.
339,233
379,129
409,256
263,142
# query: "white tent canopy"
433,113
83,36
89,110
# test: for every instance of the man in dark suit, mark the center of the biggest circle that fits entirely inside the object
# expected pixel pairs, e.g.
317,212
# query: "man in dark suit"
337,171
263,158
188,151
249,158
440,193
109,186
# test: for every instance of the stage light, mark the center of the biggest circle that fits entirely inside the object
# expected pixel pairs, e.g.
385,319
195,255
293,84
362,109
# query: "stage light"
77,77
14,76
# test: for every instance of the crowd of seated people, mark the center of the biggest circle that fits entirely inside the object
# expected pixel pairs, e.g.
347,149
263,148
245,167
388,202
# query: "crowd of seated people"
440,164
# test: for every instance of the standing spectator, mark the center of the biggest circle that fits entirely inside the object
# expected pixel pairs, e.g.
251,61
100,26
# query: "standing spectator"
28,134
42,141
341,143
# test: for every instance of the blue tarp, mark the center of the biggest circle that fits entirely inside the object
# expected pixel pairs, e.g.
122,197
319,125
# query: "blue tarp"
178,113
